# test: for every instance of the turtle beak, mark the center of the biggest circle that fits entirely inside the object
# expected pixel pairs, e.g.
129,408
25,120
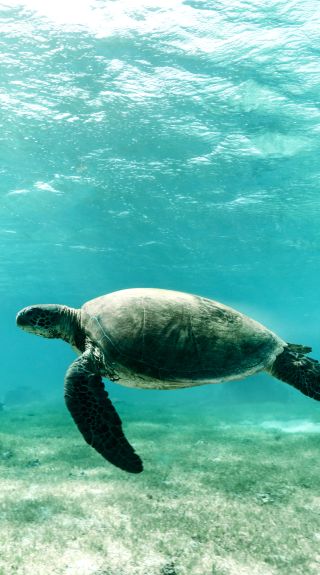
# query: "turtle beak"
21,319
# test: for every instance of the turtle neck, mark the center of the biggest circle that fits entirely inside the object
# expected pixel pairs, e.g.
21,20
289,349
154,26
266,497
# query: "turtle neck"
71,330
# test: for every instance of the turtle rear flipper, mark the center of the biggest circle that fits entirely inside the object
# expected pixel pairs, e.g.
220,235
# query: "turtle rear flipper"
293,367
95,416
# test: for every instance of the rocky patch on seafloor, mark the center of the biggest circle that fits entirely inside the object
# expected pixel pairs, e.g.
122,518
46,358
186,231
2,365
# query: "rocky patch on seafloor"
168,569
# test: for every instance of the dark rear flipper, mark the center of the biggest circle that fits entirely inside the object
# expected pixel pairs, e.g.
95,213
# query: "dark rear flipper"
293,367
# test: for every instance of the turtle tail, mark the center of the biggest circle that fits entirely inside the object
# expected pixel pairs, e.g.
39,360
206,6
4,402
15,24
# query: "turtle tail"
293,367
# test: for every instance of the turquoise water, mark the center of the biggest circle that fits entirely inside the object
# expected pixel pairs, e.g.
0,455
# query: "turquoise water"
170,144
159,143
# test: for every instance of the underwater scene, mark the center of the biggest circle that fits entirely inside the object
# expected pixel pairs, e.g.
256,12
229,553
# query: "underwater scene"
168,144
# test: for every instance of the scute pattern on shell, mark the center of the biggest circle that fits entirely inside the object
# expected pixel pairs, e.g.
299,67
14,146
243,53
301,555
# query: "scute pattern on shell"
166,336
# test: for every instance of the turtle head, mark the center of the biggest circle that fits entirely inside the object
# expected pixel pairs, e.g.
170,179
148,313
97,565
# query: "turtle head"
45,320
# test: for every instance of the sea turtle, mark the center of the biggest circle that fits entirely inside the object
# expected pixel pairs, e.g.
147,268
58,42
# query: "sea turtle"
158,339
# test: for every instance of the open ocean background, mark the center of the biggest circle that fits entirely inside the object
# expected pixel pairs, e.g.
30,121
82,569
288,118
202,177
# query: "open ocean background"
159,143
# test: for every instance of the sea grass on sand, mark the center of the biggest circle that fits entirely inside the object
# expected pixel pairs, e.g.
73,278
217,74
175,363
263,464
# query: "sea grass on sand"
225,491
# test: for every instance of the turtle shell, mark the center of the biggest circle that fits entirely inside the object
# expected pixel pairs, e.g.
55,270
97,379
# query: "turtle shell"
152,335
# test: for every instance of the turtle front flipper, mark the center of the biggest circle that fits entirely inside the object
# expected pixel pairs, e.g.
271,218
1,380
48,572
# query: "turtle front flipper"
95,416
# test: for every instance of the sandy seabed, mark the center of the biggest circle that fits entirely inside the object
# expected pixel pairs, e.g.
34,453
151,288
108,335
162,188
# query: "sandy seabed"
220,495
